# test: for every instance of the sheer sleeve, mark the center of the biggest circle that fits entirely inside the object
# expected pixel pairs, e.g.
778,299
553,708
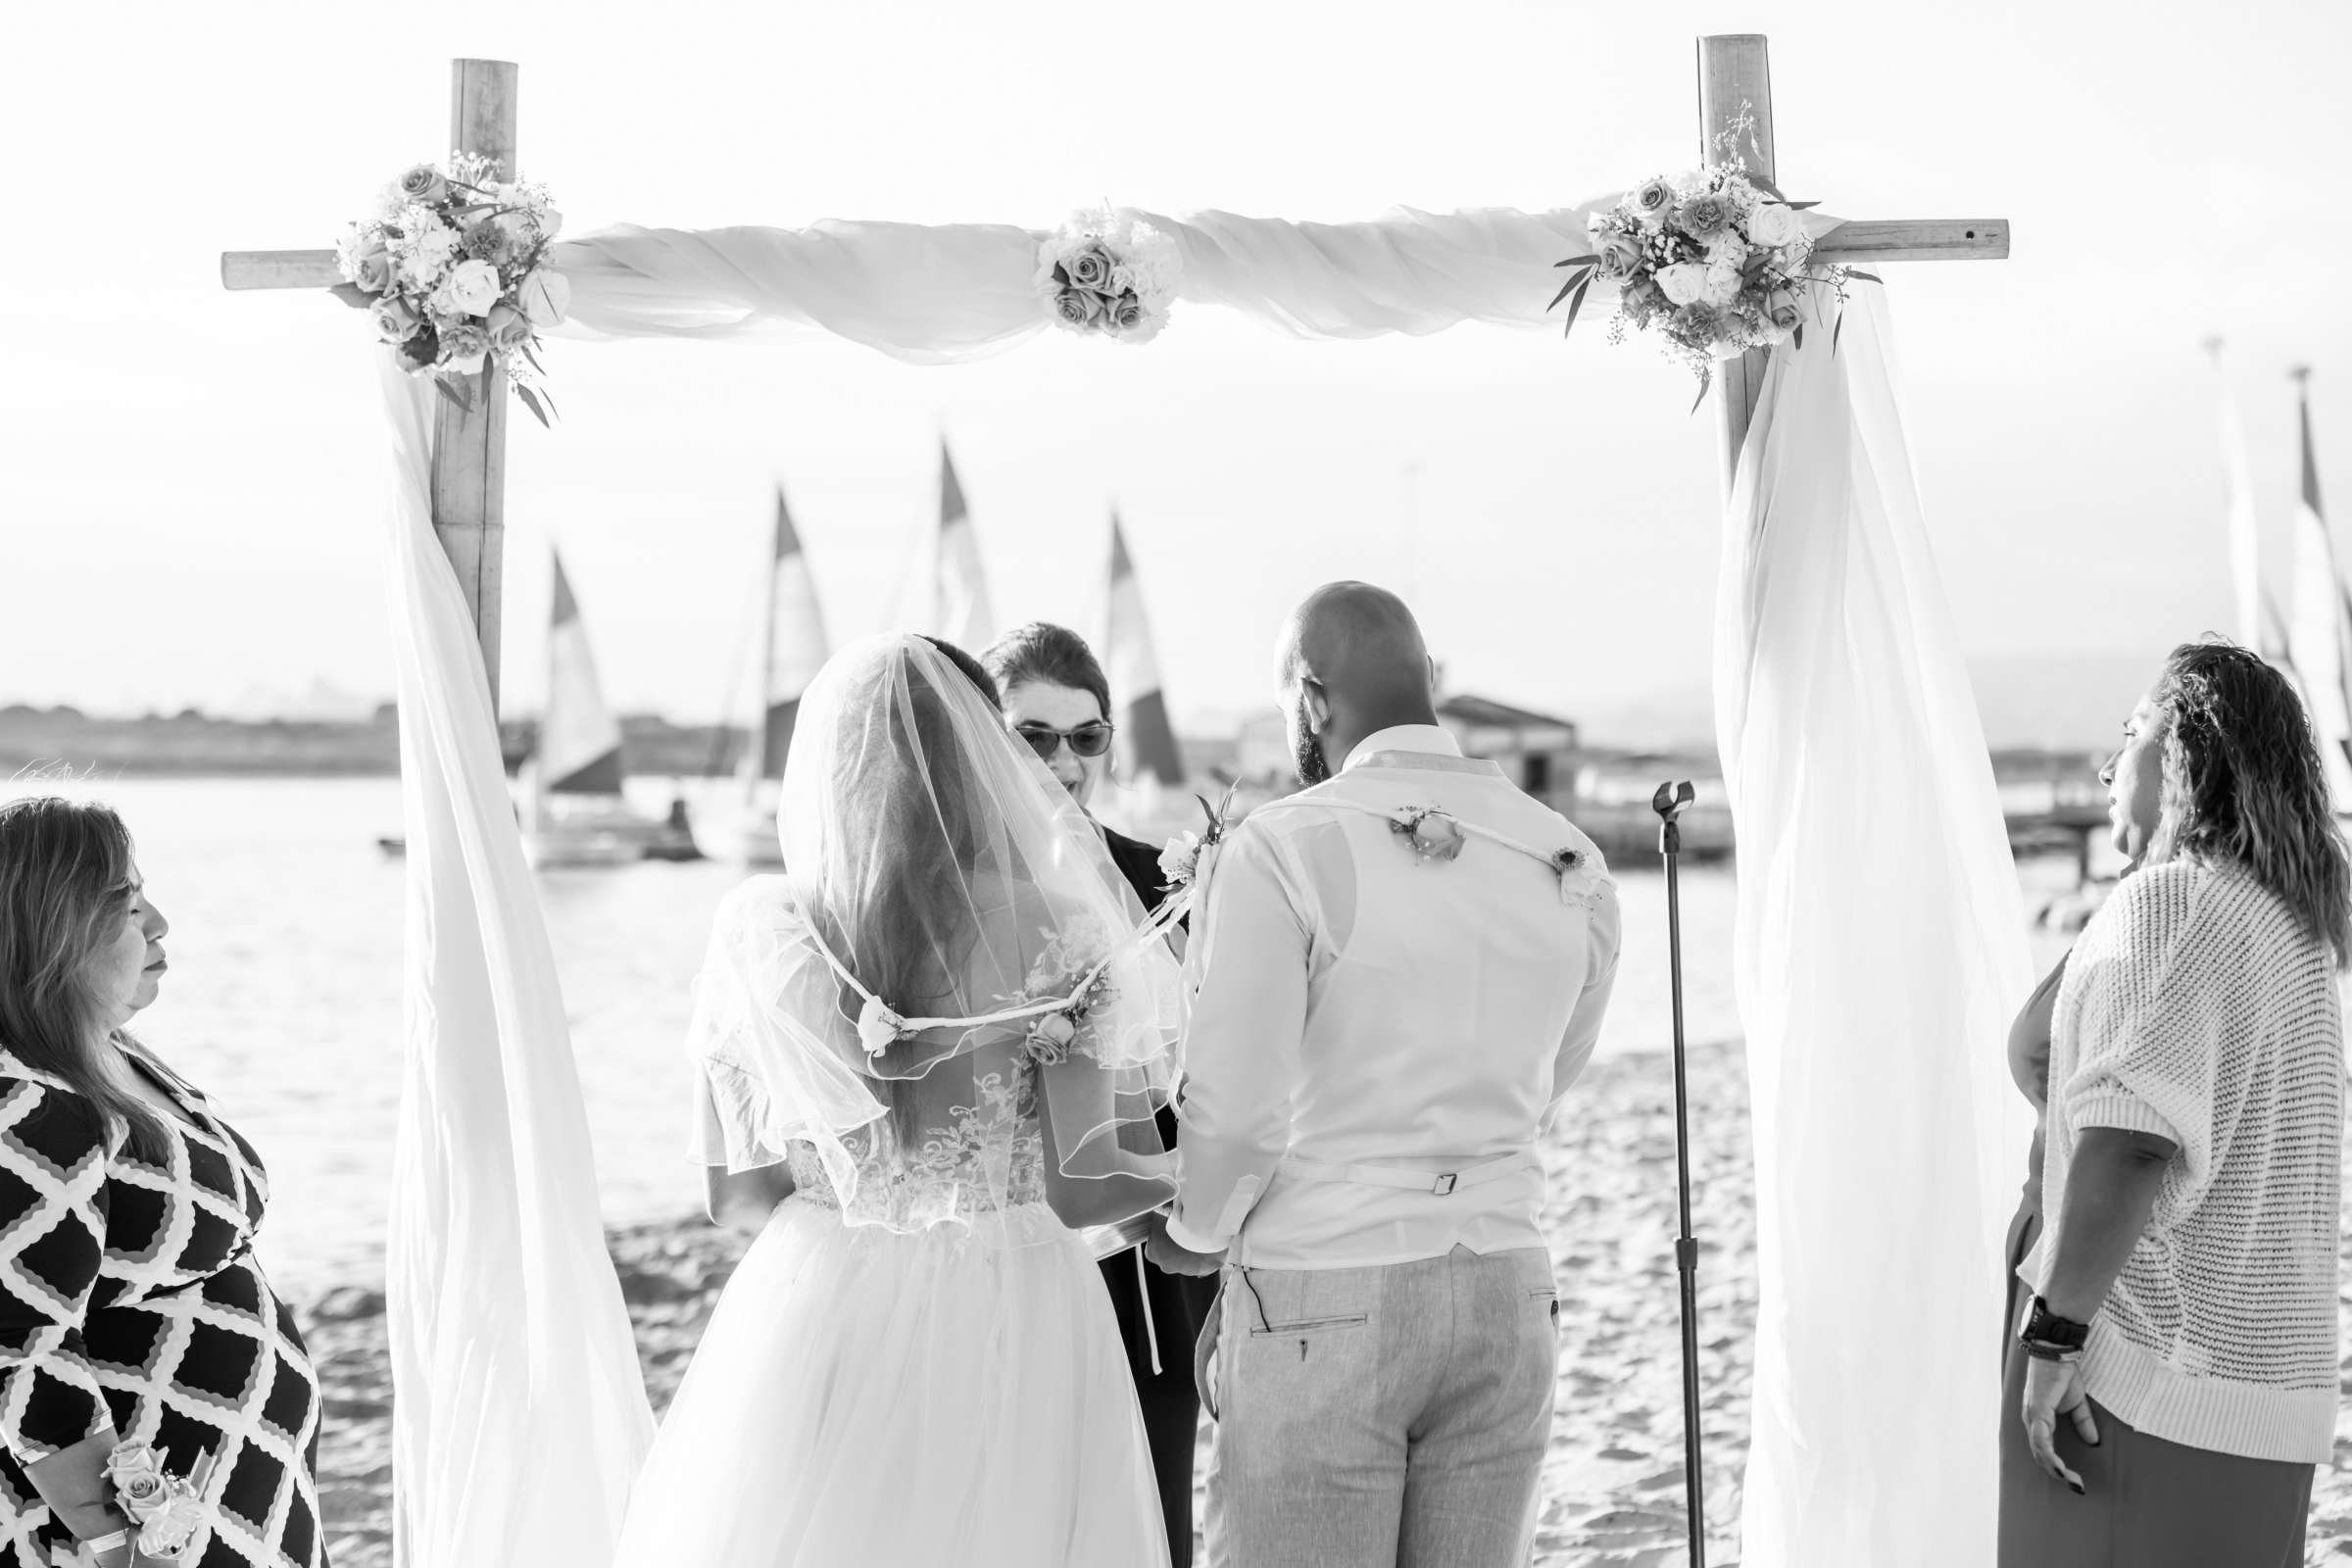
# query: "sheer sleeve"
773,1050
53,1213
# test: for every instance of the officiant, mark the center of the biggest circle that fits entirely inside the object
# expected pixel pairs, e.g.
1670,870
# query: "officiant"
1057,700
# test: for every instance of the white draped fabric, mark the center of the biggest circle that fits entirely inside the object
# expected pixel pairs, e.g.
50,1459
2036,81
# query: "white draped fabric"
520,1417
1879,951
1879,954
935,294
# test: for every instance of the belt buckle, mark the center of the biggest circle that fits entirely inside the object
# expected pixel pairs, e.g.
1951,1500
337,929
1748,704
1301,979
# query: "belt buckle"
1444,1186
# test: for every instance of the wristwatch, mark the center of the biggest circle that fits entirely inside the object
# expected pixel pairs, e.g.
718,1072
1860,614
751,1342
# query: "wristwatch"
2046,1330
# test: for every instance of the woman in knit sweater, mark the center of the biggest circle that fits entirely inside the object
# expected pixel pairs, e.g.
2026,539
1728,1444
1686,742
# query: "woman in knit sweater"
2174,1380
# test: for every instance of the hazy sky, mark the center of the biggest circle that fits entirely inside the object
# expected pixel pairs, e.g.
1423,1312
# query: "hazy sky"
190,480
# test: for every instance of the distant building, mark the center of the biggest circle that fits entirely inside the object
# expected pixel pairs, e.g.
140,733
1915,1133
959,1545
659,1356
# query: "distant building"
1535,752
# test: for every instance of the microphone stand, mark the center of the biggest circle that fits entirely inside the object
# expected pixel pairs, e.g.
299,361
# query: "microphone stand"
1669,803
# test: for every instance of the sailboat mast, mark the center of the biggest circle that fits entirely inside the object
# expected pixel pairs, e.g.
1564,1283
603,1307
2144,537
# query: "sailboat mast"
754,764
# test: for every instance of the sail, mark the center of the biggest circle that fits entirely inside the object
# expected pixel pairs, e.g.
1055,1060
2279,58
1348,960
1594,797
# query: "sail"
960,610
1147,742
793,634
2320,635
2260,626
579,740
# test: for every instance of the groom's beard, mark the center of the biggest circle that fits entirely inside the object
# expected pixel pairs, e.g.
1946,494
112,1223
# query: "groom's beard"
1306,752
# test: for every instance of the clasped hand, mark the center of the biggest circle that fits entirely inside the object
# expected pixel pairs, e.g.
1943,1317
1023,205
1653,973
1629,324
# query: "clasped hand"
1166,1256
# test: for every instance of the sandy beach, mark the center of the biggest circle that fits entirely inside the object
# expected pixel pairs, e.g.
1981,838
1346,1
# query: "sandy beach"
1613,1484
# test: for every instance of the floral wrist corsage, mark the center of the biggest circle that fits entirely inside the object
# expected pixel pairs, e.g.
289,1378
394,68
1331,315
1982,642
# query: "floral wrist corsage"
165,1508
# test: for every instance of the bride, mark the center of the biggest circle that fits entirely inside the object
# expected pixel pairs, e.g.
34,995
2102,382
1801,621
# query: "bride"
915,1363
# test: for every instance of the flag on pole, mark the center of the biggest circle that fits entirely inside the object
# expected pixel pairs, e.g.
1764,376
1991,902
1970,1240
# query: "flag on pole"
2320,636
579,740
959,611
793,637
1147,742
2260,626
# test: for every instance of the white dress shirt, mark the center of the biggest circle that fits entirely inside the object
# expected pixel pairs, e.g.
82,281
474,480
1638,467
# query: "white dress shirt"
1356,1006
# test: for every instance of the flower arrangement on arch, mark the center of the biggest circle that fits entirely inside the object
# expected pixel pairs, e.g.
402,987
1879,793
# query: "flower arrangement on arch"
1715,258
1109,271
453,267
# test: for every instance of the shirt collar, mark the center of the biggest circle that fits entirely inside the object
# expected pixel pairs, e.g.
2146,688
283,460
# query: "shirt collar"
1432,740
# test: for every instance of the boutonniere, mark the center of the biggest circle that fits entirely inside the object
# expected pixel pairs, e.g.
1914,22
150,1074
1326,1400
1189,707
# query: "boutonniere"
1433,835
1180,860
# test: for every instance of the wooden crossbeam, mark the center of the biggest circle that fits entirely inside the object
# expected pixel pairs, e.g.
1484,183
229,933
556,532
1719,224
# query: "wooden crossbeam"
1734,88
469,445
1905,239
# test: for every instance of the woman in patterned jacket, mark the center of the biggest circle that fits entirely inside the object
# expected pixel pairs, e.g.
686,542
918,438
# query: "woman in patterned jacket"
131,1308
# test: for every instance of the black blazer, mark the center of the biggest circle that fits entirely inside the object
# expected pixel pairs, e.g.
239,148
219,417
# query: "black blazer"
1181,1303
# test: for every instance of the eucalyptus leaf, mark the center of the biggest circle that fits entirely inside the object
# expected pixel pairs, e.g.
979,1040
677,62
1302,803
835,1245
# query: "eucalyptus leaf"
1577,261
456,392
531,400
351,294
1871,277
1706,381
1800,207
1835,332
1576,305
1798,336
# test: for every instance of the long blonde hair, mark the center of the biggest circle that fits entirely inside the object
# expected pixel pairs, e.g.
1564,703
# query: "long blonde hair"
2242,784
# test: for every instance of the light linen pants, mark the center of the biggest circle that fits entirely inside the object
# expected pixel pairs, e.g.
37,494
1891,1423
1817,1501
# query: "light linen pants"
1375,1416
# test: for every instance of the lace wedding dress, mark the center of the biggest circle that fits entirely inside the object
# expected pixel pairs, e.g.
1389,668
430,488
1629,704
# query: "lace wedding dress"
916,1363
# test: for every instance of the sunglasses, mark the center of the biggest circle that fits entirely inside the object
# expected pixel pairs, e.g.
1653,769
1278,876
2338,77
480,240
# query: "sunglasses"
1087,740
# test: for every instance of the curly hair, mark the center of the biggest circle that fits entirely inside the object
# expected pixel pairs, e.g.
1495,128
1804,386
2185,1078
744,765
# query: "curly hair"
2242,785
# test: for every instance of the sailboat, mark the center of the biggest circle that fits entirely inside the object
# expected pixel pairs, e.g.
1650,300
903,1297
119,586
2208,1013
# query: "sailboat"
945,593
2318,631
574,812
1147,795
793,649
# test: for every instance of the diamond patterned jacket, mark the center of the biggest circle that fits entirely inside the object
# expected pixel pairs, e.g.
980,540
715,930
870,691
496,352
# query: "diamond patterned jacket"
129,1300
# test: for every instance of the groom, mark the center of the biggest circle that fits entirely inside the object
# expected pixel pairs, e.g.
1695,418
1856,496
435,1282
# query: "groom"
1399,972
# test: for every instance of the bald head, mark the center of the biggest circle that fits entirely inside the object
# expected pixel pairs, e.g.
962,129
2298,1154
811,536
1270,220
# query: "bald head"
1353,663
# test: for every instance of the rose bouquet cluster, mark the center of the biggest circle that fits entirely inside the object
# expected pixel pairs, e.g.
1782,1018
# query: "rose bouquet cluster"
1715,258
453,267
166,1509
1111,272
1071,965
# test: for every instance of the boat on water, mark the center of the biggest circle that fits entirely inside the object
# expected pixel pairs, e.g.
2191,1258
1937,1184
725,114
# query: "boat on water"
791,648
574,813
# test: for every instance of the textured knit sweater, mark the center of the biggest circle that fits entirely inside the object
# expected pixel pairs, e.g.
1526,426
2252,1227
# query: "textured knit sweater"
2197,1009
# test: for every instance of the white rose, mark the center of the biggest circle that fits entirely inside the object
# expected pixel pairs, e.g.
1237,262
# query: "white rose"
1726,247
878,1027
1682,282
473,284
546,297
1723,283
1773,225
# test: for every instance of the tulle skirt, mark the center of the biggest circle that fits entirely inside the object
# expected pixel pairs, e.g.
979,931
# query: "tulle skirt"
864,1398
